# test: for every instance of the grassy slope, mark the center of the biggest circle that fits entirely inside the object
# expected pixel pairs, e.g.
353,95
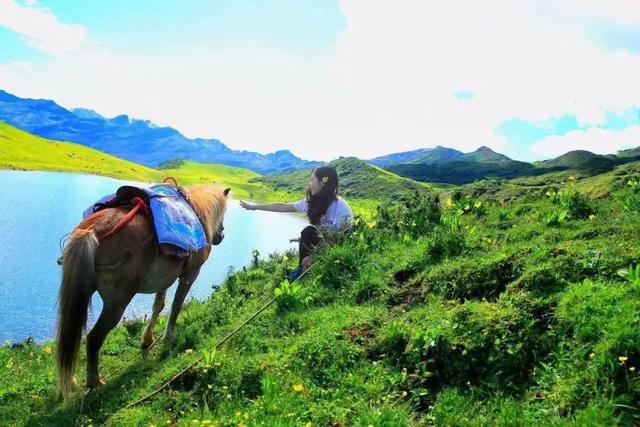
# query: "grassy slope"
23,151
596,185
494,318
363,185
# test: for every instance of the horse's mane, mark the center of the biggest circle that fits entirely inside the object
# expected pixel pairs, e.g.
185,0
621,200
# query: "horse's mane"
209,202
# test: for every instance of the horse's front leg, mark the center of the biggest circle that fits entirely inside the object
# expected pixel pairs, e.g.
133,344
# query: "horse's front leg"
184,284
158,306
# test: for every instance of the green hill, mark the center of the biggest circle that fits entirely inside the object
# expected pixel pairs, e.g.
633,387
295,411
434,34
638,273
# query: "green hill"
473,313
581,160
632,152
21,150
463,172
358,180
485,154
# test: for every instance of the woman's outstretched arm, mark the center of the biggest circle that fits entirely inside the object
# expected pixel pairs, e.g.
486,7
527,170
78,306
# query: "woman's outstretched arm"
271,207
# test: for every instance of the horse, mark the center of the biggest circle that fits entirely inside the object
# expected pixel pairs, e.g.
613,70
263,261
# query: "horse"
118,267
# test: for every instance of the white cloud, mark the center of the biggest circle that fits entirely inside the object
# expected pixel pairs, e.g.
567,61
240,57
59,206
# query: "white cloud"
385,86
41,29
596,140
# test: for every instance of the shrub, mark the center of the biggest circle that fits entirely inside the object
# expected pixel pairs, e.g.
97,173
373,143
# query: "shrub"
415,214
340,265
444,243
577,205
289,296
472,278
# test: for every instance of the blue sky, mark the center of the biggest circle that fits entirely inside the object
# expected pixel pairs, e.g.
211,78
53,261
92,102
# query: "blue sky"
167,26
532,79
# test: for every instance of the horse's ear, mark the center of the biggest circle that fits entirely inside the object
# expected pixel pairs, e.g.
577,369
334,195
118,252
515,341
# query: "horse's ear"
226,191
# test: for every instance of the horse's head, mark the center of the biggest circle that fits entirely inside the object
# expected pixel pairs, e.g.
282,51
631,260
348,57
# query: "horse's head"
219,236
210,204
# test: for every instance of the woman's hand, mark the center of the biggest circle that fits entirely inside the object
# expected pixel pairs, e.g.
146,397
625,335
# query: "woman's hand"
306,262
247,206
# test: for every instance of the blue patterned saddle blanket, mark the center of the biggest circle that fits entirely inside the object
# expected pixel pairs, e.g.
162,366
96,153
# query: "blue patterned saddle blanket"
174,219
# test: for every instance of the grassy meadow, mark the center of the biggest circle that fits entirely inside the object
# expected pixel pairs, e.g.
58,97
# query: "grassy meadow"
512,303
21,150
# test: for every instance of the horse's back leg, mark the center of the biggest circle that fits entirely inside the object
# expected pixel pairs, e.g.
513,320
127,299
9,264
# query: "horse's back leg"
184,284
109,317
158,305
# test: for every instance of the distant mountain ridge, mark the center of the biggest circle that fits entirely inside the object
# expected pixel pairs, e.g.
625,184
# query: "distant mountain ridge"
136,140
357,180
447,165
583,160
439,155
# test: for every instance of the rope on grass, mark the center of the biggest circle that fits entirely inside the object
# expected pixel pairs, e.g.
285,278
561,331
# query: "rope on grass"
218,345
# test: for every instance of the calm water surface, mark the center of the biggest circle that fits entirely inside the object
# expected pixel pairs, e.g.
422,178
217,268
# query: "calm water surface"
38,208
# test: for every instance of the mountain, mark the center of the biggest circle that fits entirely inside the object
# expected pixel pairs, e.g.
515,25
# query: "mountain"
580,160
357,180
438,154
464,172
447,165
632,152
140,141
485,154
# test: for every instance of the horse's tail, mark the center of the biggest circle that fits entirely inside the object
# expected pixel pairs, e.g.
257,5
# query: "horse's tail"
78,284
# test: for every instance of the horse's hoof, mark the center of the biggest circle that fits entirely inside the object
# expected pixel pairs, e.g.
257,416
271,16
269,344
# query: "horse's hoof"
147,345
92,386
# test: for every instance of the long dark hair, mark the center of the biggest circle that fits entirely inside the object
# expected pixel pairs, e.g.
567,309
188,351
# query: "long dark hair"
319,203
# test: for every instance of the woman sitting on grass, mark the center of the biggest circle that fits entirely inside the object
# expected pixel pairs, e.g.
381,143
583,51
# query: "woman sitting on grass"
324,208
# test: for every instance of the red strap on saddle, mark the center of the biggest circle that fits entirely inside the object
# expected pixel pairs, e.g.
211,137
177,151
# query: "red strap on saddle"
128,217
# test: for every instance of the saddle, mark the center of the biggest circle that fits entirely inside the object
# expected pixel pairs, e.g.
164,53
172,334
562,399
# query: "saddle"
178,229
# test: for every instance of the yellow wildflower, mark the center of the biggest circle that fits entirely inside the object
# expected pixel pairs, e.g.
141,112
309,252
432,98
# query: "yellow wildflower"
449,202
242,425
298,388
623,358
592,355
632,369
478,204
188,351
371,224
404,393
572,178
308,424
285,258
47,349
592,217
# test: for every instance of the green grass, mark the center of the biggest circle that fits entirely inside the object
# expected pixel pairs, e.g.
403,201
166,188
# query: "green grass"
23,151
20,150
500,303
470,313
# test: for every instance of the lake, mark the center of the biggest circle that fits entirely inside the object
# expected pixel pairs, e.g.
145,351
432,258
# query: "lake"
38,208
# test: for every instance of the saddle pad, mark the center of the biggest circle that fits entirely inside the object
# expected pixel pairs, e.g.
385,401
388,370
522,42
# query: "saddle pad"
174,220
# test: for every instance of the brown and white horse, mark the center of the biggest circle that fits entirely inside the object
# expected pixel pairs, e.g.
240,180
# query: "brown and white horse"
119,267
